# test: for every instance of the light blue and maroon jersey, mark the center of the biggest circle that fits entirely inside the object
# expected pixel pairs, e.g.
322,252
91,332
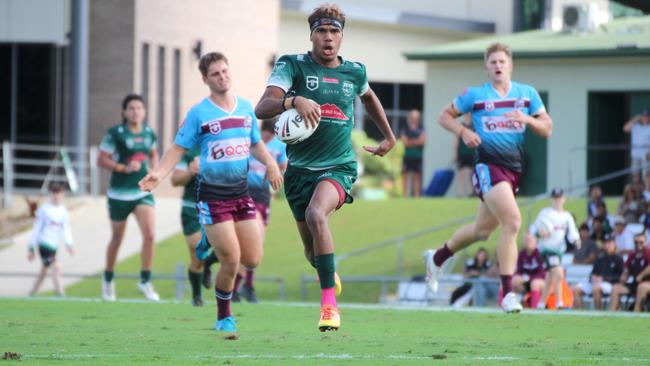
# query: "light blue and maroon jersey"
259,189
225,139
502,139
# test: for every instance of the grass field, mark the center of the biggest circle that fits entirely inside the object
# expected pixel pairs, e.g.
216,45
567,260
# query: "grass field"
355,226
83,332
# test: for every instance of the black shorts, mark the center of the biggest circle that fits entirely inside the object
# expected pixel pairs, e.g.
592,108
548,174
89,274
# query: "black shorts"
410,164
48,256
631,287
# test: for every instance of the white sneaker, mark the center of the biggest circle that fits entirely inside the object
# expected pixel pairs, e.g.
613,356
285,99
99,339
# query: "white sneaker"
108,291
433,272
510,303
148,291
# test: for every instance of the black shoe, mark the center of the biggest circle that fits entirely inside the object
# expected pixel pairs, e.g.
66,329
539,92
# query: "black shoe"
249,293
197,301
207,277
235,297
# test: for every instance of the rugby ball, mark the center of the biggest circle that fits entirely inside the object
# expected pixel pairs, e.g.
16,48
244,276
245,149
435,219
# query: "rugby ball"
291,127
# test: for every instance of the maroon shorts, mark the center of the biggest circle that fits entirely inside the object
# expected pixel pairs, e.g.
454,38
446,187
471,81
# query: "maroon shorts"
264,210
487,176
236,209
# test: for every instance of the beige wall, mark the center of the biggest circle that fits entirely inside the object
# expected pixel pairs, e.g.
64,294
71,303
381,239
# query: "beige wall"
378,46
245,31
567,82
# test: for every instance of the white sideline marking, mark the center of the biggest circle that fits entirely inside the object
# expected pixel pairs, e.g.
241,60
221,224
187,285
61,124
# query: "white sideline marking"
618,314
323,356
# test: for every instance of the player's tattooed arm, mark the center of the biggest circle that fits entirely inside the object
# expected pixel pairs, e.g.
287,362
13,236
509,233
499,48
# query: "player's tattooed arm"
448,120
376,112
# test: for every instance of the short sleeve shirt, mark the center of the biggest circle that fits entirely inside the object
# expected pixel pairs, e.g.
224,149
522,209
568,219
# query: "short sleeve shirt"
502,139
335,89
224,139
125,146
258,187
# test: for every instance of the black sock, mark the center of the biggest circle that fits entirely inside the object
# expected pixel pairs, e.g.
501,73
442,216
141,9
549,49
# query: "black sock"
211,259
108,276
195,282
145,276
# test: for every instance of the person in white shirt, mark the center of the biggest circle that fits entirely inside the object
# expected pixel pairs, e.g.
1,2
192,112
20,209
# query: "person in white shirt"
50,228
555,227
639,129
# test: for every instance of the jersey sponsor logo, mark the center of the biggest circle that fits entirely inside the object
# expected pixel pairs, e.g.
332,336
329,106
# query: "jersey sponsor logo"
311,82
329,110
348,88
502,124
330,80
214,127
228,150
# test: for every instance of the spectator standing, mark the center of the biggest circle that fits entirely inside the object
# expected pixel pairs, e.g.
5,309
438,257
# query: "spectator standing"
413,138
639,129
632,206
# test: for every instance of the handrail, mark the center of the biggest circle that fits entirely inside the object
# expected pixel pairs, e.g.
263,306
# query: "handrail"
399,240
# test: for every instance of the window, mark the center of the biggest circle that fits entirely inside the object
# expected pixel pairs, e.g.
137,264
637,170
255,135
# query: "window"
529,14
176,114
160,115
397,100
144,82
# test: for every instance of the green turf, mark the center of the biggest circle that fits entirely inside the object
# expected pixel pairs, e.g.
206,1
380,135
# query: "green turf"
67,332
355,226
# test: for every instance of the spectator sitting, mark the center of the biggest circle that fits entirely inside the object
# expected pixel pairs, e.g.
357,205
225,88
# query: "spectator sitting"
477,268
634,266
588,248
643,290
624,237
631,206
607,220
646,187
595,197
530,274
606,271
597,230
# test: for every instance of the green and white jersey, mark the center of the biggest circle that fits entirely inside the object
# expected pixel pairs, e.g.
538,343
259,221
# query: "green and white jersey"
335,89
188,192
125,147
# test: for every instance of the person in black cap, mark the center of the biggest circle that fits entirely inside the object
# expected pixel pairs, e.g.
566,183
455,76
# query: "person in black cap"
554,227
606,272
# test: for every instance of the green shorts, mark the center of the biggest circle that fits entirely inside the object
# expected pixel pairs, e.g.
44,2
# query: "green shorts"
190,220
552,258
119,210
299,185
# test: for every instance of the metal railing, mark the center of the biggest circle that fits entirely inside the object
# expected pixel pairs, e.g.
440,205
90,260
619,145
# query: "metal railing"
58,158
179,277
400,241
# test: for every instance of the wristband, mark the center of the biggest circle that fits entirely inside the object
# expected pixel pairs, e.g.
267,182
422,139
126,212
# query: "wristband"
283,100
293,102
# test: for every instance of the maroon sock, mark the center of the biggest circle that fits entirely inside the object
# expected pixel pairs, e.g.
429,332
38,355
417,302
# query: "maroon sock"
506,284
250,274
441,255
223,303
237,282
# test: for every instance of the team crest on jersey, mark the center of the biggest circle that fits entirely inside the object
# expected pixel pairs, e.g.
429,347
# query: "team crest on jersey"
520,103
311,82
129,143
348,88
215,127
248,122
489,106
147,140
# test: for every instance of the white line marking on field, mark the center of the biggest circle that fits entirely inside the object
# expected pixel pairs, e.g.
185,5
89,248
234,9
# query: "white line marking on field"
620,314
323,356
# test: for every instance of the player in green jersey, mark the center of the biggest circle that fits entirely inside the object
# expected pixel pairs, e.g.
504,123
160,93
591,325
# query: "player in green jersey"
185,176
322,87
129,151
